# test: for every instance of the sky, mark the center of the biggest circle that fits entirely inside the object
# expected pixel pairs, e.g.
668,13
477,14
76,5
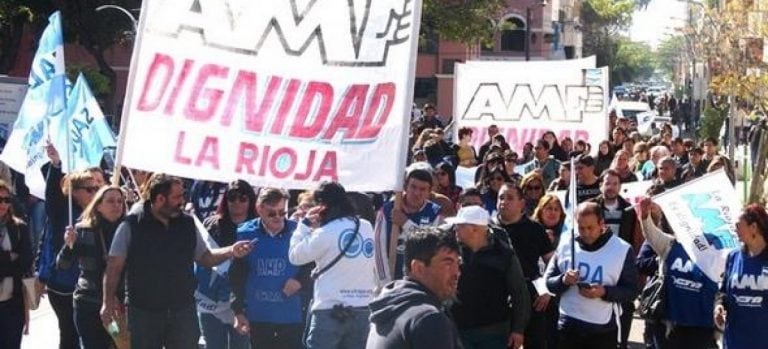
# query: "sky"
661,16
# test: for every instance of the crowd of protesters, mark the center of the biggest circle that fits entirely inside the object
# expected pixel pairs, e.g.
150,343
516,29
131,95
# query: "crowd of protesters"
168,262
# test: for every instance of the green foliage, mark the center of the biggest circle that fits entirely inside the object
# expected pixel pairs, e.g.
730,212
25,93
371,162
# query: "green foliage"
603,21
99,83
465,21
668,52
711,122
631,61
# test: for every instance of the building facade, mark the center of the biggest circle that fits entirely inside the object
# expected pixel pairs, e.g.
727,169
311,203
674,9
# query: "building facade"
555,34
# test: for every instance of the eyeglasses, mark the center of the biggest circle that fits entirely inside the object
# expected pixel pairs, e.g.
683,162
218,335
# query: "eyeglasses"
441,173
89,189
232,197
275,213
6,200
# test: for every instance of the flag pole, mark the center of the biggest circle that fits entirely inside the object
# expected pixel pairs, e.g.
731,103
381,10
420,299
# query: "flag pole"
572,199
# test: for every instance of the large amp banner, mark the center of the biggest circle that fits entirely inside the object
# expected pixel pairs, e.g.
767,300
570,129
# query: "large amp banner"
527,99
703,213
279,93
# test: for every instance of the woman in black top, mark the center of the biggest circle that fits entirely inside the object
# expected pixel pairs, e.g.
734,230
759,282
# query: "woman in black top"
89,243
15,264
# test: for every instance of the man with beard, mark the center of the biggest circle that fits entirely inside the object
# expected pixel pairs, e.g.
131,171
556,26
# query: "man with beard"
157,246
623,222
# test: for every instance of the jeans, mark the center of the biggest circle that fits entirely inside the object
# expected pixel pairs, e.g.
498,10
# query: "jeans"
473,339
172,328
584,340
283,336
11,322
325,332
37,218
89,327
63,307
219,335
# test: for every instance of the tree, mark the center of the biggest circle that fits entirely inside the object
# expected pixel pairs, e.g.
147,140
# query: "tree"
668,52
602,22
97,32
631,61
465,21
14,16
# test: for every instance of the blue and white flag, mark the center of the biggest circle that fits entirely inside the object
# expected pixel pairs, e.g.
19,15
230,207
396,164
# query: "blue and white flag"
703,214
83,133
44,102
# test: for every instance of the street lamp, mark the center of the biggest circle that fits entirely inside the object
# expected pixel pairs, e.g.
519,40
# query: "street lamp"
528,28
125,12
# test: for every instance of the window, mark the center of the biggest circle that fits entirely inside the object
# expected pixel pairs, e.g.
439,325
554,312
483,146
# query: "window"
448,65
513,35
425,88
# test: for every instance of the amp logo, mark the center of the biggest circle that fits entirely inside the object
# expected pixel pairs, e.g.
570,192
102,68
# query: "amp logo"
336,32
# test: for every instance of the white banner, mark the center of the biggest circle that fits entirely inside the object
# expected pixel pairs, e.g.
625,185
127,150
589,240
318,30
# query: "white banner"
703,213
527,99
283,93
12,91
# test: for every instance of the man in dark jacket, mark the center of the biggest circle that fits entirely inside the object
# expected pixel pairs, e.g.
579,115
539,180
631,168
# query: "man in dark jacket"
491,276
409,313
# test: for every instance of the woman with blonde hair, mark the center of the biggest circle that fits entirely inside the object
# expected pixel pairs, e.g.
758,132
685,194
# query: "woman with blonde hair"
532,185
550,214
620,164
88,243
60,282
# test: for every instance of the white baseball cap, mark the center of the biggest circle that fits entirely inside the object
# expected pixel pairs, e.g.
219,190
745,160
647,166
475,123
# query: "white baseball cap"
470,215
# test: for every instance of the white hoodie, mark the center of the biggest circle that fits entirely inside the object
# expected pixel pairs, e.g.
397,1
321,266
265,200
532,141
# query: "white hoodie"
352,279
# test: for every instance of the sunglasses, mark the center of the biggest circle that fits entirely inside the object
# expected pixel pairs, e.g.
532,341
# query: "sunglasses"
232,197
534,187
6,200
89,189
275,213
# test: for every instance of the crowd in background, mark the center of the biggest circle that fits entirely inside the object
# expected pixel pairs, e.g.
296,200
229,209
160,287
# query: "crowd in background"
327,268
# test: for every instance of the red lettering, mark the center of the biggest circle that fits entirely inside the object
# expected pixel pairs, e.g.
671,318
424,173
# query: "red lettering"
327,168
264,160
158,78
345,118
378,111
180,80
315,90
310,165
178,156
245,83
209,153
209,97
247,155
278,159
282,113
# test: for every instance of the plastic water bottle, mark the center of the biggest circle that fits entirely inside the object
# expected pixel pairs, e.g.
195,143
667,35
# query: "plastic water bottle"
113,329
